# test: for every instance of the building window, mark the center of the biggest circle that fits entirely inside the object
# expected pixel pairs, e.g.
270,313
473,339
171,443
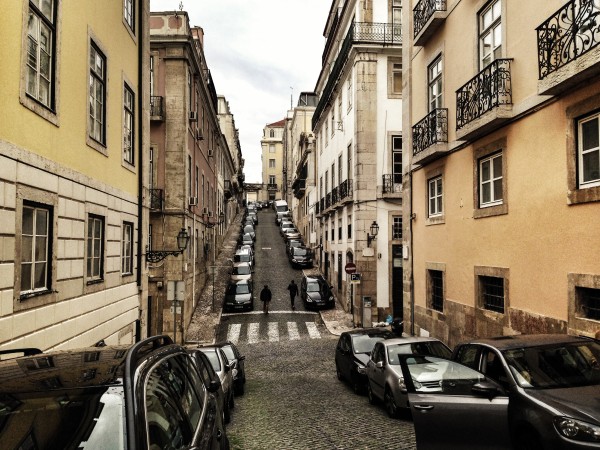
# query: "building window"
436,292
397,12
490,181
436,207
492,293
271,164
434,81
128,124
97,105
41,32
271,147
333,120
129,13
95,248
189,176
588,151
149,237
349,96
397,159
339,229
490,34
397,227
349,226
272,179
272,133
349,166
36,258
394,78
326,132
589,302
127,249
339,110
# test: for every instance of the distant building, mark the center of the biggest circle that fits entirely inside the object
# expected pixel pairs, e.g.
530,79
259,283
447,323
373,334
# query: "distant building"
357,126
73,162
501,127
272,162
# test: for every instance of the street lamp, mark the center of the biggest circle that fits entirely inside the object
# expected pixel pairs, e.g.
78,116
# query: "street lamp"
374,229
155,256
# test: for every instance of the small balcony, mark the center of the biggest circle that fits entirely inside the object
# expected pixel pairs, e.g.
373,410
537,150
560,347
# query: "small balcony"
345,191
328,202
322,205
568,51
156,199
299,187
428,15
392,186
157,111
485,101
430,136
272,187
227,191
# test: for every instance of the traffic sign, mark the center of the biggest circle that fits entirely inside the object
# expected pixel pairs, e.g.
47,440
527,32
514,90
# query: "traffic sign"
355,277
350,268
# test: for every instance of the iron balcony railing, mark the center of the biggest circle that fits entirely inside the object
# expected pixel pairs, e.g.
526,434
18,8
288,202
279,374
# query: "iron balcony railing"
432,129
359,32
322,204
328,200
156,199
392,183
570,33
345,190
423,12
334,196
317,210
489,89
156,106
271,187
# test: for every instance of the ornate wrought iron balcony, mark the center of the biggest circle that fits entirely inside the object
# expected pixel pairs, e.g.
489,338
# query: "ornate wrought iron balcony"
156,199
272,187
334,196
345,190
432,129
328,200
489,89
322,205
299,187
392,184
425,10
156,107
570,33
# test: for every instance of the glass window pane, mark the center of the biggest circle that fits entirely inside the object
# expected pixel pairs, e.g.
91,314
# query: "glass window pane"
41,224
26,248
40,276
589,134
498,166
485,170
498,189
591,166
97,229
485,193
96,267
40,248
26,277
439,204
27,225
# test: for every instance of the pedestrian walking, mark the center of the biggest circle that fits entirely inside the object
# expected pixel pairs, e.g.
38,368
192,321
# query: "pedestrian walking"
265,297
293,288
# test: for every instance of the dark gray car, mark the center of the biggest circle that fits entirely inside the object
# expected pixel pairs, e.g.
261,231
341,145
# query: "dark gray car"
545,395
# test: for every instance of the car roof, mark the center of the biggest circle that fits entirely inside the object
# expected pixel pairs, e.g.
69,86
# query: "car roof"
241,264
527,340
408,340
236,282
368,331
242,251
314,278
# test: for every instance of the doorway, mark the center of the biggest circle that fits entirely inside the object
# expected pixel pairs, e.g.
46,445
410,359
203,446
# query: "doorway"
397,278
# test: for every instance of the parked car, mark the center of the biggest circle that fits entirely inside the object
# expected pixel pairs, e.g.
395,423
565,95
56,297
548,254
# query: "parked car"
385,378
239,295
300,257
316,292
291,233
284,226
249,248
237,359
293,243
241,271
352,354
141,396
224,369
548,395
211,379
254,217
244,255
249,229
246,239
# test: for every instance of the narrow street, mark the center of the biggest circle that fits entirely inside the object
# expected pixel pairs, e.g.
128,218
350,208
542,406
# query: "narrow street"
293,399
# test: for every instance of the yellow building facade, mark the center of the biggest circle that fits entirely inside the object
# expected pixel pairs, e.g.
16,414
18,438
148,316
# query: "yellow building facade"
272,162
73,128
502,184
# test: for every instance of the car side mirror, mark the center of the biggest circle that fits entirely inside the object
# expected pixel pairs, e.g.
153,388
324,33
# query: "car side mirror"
485,389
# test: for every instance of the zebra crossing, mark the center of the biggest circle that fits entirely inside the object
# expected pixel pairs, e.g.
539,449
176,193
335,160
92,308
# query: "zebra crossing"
273,331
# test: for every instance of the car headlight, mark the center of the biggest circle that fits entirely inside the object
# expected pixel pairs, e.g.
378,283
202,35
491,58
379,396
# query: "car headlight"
294,260
402,384
577,430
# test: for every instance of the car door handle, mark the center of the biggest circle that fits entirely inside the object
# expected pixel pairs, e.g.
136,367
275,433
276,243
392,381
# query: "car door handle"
423,407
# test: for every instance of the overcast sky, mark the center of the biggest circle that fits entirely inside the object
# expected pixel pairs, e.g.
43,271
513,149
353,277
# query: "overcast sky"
256,51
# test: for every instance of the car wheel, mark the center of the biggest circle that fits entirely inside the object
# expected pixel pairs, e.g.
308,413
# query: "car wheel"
390,403
371,395
338,373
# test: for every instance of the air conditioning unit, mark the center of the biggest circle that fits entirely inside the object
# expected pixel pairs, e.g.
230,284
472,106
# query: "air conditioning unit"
193,116
193,201
199,135
204,211
211,152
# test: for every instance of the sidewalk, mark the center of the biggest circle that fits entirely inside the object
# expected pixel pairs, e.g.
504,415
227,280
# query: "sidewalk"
205,320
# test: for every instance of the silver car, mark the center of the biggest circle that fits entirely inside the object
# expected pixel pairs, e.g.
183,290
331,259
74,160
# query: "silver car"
241,271
385,378
224,370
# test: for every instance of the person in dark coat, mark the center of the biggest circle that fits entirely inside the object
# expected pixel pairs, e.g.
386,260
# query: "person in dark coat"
293,288
265,297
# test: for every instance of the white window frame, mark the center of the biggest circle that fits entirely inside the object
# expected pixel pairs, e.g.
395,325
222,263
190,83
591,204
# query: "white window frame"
97,93
128,124
41,35
95,247
272,164
585,154
127,249
129,14
496,198
38,236
435,84
435,195
490,31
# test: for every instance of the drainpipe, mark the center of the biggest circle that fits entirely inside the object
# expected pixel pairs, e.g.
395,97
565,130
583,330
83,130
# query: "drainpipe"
411,254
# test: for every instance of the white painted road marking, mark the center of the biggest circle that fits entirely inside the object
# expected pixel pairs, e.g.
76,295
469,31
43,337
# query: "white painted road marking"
253,329
313,332
293,331
273,332
233,333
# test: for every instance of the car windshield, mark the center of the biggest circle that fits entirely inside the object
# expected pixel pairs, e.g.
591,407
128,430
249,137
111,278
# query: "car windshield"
300,251
431,374
312,286
433,348
56,419
364,343
241,258
555,366
228,350
241,270
247,238
238,289
214,359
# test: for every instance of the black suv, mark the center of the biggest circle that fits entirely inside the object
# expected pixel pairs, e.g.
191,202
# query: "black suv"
148,395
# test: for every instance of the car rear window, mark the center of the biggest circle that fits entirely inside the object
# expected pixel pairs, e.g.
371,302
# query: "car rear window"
433,348
241,270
